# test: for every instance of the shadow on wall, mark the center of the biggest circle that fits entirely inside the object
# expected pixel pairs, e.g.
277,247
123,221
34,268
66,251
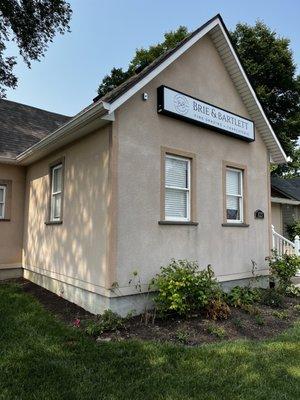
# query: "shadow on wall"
78,247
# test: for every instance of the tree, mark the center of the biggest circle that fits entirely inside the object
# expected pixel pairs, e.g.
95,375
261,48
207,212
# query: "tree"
31,24
141,59
268,61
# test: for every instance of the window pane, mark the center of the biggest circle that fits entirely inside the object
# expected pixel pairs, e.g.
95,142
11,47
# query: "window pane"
176,172
57,175
1,195
1,210
57,206
176,202
233,182
233,207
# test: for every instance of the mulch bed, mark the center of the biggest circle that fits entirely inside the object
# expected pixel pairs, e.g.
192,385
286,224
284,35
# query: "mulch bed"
195,330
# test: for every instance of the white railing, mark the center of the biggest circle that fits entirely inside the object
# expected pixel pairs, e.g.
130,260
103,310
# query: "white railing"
283,245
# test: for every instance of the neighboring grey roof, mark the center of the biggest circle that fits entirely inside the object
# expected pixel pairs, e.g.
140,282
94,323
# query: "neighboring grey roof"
288,187
22,126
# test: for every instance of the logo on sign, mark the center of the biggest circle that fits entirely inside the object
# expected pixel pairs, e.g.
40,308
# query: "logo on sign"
181,104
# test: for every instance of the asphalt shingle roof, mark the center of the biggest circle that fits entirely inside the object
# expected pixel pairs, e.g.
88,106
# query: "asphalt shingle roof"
288,187
22,126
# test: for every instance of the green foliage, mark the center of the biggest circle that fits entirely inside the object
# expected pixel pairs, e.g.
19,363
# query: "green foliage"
217,309
183,288
238,323
297,307
182,336
283,269
107,322
268,61
271,298
216,330
240,296
142,58
293,229
292,291
280,314
259,320
31,26
251,309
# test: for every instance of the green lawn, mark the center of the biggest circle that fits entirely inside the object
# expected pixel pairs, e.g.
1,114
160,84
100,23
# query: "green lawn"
41,358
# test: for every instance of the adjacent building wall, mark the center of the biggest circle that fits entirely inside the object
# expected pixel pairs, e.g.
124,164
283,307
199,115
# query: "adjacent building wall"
11,230
277,217
142,244
75,253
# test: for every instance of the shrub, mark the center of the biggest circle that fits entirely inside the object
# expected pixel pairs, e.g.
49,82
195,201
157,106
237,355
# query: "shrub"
217,331
292,291
183,288
241,296
293,229
283,268
217,309
297,307
280,314
271,298
108,321
182,336
251,309
259,320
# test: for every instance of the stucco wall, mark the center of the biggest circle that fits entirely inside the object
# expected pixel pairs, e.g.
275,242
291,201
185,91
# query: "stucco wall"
75,252
143,244
277,217
11,232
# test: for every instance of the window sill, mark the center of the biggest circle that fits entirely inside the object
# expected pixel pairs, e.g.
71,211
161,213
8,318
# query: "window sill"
237,225
178,223
4,219
53,223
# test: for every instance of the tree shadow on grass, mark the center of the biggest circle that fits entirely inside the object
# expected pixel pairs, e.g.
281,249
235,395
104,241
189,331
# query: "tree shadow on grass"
41,358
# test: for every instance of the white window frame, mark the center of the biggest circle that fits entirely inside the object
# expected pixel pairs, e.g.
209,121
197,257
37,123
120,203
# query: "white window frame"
54,194
3,187
239,196
188,189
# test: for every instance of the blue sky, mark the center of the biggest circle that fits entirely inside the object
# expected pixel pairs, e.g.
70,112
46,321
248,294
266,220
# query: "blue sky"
105,33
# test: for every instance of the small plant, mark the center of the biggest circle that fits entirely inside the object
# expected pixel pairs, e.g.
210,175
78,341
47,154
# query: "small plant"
217,309
108,321
184,288
293,229
240,296
217,331
283,269
271,298
297,307
238,323
280,314
259,320
250,309
182,336
292,291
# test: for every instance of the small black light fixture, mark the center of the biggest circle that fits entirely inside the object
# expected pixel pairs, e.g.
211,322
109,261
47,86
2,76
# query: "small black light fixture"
258,214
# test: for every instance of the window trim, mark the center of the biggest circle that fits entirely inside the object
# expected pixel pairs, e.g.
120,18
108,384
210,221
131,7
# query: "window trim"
244,194
60,163
4,188
179,154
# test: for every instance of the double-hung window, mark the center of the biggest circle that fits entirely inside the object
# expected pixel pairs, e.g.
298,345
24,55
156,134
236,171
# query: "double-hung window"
2,201
234,195
56,193
177,188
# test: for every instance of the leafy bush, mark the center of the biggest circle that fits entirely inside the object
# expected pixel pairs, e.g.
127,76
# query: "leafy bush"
271,298
292,291
108,321
251,309
280,314
240,296
217,331
259,320
183,288
297,307
293,229
283,268
182,336
217,309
